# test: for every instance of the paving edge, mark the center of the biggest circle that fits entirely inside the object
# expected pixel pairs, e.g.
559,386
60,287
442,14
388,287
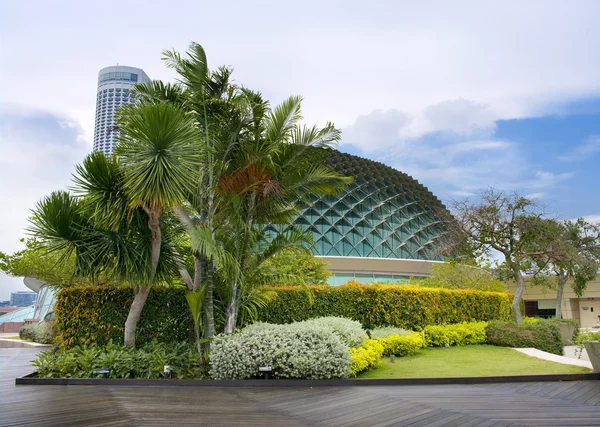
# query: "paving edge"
32,380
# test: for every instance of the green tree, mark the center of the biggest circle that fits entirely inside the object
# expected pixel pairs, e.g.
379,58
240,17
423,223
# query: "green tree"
257,163
575,256
505,224
114,223
297,266
34,261
452,275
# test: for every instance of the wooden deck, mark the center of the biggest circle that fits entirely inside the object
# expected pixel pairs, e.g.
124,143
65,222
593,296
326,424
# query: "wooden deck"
521,404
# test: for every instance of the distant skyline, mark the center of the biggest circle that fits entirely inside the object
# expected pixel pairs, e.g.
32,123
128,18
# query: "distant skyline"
461,95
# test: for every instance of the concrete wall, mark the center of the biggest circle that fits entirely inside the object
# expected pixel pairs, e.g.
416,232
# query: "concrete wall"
585,309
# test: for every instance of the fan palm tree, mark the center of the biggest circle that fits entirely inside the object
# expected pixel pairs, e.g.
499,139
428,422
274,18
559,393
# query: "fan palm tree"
156,167
108,237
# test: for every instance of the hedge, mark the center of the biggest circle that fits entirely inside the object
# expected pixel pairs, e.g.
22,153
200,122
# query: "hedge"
542,335
472,333
403,306
96,314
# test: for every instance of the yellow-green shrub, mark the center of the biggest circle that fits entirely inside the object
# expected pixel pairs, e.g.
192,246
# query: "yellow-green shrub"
402,306
457,334
365,357
401,345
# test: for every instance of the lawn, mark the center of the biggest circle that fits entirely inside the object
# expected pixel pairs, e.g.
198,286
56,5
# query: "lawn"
468,361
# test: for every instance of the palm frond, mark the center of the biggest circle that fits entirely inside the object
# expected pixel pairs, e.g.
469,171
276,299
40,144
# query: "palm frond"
158,148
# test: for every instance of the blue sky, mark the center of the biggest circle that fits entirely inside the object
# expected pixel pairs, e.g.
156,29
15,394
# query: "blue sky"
462,95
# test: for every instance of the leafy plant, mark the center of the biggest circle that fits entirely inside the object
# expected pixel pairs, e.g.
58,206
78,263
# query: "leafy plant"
298,350
122,362
365,357
402,306
544,336
458,334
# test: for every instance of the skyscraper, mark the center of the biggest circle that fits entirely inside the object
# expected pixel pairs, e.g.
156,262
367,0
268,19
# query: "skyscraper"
114,84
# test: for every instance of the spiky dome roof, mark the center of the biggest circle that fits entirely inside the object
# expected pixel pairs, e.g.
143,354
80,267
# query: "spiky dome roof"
384,213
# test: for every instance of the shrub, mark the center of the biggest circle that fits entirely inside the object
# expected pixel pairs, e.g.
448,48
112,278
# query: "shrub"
299,350
544,336
26,332
123,362
42,333
386,331
349,331
96,314
457,334
366,357
402,306
401,345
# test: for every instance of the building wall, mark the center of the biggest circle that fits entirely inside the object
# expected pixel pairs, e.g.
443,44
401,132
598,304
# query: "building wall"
585,309
114,90
368,270
22,299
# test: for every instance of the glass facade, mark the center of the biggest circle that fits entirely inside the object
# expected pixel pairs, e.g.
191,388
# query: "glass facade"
45,302
19,315
128,77
22,298
384,213
338,279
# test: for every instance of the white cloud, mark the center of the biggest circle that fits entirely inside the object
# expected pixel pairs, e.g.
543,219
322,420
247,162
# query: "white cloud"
461,117
583,151
39,151
595,219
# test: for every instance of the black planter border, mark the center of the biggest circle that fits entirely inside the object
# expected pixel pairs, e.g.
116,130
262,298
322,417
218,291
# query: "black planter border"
32,380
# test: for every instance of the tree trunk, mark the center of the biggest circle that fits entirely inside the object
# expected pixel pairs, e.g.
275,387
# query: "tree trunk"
209,306
516,303
232,310
562,281
154,225
139,300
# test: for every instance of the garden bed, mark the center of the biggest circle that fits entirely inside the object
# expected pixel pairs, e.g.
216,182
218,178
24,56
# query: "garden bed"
33,380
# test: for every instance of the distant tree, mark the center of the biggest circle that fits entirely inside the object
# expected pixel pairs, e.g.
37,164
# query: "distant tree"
575,256
298,266
33,261
453,275
505,224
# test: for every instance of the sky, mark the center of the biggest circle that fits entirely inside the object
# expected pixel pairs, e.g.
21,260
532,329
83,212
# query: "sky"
461,95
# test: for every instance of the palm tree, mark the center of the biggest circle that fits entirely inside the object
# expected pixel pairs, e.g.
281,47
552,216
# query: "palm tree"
273,169
107,237
156,164
257,163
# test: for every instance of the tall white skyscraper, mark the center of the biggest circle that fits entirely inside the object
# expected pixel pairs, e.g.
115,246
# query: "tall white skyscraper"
114,84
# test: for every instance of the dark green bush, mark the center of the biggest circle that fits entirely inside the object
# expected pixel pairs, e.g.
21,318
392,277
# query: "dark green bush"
86,315
123,362
395,305
542,335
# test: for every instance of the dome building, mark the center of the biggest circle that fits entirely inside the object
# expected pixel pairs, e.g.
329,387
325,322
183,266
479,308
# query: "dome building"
384,227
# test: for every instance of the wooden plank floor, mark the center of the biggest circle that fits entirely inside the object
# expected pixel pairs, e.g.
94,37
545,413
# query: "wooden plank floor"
512,404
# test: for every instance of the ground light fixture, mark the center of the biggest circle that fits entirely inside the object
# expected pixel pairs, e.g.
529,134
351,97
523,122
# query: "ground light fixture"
167,372
265,371
104,372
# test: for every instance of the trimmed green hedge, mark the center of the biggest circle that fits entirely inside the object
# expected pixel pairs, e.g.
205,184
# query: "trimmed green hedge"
86,315
403,306
542,335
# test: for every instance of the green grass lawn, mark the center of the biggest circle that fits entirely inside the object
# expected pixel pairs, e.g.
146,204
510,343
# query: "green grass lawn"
15,337
468,361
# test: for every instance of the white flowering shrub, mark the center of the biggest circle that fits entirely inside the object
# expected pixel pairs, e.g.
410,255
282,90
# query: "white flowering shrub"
297,350
350,331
